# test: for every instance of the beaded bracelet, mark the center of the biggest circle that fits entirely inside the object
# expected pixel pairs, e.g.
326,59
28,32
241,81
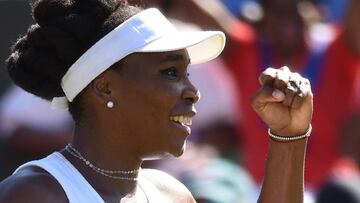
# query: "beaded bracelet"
291,138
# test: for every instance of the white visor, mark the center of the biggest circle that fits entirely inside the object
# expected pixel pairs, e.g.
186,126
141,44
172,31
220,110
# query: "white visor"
147,31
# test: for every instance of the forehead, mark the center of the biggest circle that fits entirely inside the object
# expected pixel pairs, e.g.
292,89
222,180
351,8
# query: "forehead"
158,57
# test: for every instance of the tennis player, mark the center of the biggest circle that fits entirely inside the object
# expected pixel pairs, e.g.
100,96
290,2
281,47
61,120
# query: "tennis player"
122,73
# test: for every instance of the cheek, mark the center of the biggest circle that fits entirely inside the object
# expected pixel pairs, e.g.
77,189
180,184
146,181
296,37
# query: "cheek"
158,104
157,133
150,105
159,101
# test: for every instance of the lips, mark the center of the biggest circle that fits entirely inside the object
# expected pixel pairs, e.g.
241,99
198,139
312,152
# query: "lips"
183,122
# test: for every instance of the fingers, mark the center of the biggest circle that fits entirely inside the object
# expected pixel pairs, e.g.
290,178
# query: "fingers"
267,77
278,76
290,96
265,95
269,94
294,87
305,91
282,79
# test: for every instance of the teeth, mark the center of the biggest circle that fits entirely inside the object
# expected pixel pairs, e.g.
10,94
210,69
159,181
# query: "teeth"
184,120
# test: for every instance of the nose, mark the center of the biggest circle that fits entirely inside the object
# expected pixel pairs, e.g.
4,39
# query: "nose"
192,95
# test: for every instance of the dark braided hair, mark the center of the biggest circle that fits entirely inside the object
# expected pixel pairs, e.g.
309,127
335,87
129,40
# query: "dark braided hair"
64,30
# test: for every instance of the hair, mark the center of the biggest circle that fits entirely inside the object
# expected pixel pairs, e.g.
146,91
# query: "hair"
64,30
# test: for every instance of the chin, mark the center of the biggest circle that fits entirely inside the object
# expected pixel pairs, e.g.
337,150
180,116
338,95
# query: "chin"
175,150
174,153
179,151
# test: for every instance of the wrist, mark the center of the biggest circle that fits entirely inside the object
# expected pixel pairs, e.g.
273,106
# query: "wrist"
280,138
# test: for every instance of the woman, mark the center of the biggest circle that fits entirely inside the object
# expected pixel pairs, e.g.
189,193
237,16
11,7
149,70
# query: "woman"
123,74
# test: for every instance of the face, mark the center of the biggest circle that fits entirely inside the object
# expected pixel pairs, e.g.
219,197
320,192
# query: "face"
155,102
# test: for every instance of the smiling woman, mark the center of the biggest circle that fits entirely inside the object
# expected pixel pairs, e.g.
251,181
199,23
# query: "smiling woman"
155,97
122,72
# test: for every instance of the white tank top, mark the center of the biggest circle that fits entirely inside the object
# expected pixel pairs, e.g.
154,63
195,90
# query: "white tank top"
76,188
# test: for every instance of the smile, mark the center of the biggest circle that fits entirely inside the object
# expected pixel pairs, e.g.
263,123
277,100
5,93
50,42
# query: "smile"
183,122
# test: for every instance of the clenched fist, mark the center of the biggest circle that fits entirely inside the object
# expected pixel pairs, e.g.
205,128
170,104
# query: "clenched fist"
284,101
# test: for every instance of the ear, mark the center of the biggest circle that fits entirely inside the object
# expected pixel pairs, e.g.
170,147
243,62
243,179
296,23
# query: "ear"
100,88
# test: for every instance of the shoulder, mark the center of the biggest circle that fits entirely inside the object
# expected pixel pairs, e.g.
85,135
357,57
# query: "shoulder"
31,184
168,185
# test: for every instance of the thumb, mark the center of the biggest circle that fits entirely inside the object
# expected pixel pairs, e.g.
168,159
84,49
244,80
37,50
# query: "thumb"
267,95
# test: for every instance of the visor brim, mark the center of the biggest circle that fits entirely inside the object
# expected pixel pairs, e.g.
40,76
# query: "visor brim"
202,46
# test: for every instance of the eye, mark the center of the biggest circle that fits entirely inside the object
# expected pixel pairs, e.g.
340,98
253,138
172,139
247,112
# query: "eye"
171,73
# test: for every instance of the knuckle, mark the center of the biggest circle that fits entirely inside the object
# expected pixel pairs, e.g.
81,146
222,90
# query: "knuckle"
283,76
297,76
269,71
285,68
307,81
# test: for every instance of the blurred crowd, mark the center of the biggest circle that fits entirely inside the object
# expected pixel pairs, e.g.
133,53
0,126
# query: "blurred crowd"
227,150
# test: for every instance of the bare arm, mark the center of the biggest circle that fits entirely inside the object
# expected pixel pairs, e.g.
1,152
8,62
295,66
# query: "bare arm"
288,114
284,173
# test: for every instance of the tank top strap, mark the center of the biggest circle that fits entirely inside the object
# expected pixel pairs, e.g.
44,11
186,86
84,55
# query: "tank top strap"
75,186
152,193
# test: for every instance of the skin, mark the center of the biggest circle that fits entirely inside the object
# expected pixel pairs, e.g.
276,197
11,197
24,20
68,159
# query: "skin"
287,114
146,91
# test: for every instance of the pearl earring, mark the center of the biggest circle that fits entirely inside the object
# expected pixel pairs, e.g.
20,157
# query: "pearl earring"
110,104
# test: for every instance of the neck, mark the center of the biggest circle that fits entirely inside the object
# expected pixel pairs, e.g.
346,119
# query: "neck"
105,151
